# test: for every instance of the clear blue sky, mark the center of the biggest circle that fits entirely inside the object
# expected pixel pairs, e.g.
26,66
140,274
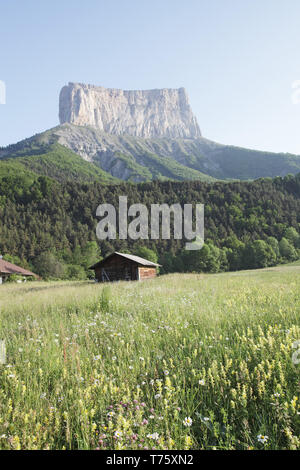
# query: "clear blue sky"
236,58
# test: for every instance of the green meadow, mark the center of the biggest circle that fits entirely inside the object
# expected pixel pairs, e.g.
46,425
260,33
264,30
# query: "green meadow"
189,361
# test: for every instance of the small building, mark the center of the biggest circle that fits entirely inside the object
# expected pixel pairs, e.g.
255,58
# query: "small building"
7,269
124,267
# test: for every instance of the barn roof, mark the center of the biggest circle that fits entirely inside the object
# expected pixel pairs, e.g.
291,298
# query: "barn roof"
8,268
135,259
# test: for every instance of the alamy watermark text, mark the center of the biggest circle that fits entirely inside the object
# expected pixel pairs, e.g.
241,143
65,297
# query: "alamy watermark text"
161,218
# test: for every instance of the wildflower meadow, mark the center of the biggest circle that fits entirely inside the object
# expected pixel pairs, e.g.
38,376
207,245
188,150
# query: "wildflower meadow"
179,362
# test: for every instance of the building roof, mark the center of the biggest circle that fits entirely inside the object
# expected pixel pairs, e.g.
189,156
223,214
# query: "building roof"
8,268
135,259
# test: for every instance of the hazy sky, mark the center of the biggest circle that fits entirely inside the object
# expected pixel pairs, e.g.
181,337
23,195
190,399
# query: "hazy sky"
237,59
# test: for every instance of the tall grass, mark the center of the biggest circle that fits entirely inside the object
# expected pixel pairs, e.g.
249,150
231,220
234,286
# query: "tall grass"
122,366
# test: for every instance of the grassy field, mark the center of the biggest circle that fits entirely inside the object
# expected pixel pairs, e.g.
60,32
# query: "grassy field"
179,362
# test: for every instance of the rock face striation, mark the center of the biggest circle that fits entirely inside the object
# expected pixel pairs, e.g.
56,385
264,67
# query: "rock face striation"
140,113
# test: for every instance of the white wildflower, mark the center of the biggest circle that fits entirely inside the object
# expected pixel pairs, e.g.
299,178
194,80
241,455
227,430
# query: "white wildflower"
188,421
262,439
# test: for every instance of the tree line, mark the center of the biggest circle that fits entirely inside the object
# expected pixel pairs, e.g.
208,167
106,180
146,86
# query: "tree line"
50,227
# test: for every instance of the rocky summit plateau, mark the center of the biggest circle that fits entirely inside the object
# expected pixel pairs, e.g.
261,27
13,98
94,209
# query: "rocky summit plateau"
140,113
107,134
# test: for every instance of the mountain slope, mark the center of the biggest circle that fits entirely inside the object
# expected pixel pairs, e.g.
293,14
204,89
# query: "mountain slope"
138,159
53,154
54,161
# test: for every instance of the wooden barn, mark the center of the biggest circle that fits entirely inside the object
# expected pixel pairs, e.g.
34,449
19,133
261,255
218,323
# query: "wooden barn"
7,269
124,267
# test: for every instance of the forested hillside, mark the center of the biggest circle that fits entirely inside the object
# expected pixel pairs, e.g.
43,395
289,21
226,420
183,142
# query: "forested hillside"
247,224
55,161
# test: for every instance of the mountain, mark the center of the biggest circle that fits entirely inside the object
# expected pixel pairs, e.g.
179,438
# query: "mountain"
141,113
107,134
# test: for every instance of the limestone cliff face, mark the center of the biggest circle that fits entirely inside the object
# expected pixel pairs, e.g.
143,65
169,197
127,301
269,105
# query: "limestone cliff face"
141,113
